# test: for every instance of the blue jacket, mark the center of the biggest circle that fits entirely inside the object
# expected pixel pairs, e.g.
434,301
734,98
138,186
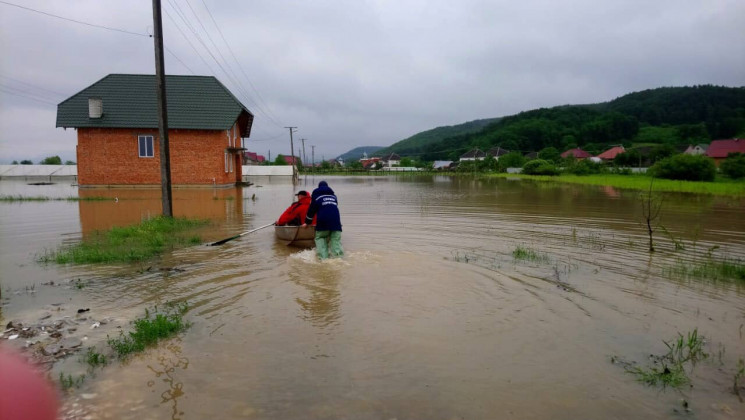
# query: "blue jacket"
325,207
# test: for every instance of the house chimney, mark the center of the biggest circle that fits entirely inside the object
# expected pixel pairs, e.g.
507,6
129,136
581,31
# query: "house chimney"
95,107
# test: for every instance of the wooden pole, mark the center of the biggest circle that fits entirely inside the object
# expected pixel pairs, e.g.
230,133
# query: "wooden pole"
160,84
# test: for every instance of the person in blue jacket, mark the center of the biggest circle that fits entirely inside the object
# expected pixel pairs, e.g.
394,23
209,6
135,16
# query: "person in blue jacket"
325,206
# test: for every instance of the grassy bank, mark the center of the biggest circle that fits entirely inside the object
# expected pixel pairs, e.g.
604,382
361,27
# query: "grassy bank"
641,183
131,243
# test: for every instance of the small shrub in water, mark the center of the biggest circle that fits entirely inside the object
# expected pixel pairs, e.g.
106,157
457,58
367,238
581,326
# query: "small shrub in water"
148,331
529,254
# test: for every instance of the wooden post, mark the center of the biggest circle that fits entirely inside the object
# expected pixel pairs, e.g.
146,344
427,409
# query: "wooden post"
160,83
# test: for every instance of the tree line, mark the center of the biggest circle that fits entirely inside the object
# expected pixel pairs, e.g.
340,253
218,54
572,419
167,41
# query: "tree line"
665,116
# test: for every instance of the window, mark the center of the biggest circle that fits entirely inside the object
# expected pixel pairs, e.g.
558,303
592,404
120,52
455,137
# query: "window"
145,144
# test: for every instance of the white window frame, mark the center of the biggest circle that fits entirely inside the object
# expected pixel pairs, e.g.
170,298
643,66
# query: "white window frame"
145,137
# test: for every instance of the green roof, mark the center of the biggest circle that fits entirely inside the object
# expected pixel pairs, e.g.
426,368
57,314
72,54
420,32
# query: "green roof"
130,101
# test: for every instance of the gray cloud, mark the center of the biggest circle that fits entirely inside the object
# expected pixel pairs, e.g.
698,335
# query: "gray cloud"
365,73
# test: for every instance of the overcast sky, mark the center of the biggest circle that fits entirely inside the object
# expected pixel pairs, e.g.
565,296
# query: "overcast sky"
354,73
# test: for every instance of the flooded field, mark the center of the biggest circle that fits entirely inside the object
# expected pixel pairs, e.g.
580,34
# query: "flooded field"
429,316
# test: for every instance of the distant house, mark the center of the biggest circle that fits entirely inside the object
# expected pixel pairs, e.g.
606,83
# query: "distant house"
576,153
291,160
440,165
391,159
699,149
719,149
116,120
369,163
611,153
473,155
531,155
496,152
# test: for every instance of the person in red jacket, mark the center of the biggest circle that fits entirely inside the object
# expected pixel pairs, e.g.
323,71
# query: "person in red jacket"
295,214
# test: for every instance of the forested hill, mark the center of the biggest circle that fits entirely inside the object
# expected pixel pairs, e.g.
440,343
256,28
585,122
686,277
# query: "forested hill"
674,116
415,144
357,152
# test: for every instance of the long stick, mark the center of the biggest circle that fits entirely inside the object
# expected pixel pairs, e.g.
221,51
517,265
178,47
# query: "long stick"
220,242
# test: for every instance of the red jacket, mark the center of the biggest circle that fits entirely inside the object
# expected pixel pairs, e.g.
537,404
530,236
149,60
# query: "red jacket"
295,214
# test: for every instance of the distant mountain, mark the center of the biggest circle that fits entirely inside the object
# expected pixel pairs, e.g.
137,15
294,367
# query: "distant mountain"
674,116
418,143
357,152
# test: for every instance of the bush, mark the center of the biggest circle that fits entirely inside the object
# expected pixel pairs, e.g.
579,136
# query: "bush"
540,167
51,160
734,166
585,167
685,167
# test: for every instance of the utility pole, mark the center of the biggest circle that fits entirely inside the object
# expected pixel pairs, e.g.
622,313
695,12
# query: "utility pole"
292,153
160,84
305,162
313,156
270,155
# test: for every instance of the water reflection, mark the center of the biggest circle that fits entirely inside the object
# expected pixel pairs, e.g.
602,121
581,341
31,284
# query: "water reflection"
169,365
127,206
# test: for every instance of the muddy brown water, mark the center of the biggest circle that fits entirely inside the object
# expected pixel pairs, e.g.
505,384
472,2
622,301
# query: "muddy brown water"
428,316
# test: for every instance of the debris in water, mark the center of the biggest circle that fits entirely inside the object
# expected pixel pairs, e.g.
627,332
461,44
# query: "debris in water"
95,325
80,311
13,337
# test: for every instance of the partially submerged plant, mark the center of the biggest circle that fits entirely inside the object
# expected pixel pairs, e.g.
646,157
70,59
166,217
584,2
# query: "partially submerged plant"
529,254
131,243
68,382
669,369
149,330
94,359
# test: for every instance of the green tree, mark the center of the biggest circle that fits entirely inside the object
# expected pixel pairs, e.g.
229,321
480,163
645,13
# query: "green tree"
280,160
355,164
406,162
512,160
26,162
325,165
51,160
734,166
685,167
15,162
661,152
70,162
630,157
550,153
540,167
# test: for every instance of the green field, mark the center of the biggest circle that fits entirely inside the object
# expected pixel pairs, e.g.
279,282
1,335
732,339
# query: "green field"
641,183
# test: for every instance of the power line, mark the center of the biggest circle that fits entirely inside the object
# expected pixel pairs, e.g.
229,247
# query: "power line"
240,67
73,20
80,22
5,90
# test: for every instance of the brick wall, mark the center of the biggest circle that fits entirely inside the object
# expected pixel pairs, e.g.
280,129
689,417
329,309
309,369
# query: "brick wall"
110,156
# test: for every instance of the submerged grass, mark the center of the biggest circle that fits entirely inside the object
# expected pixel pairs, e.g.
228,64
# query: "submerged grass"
641,182
713,269
132,243
670,369
528,254
21,198
150,329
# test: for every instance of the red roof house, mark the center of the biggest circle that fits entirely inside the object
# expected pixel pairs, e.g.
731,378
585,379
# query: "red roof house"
611,153
291,160
576,153
719,149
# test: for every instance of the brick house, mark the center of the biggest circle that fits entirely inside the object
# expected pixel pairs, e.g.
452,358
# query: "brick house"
118,142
